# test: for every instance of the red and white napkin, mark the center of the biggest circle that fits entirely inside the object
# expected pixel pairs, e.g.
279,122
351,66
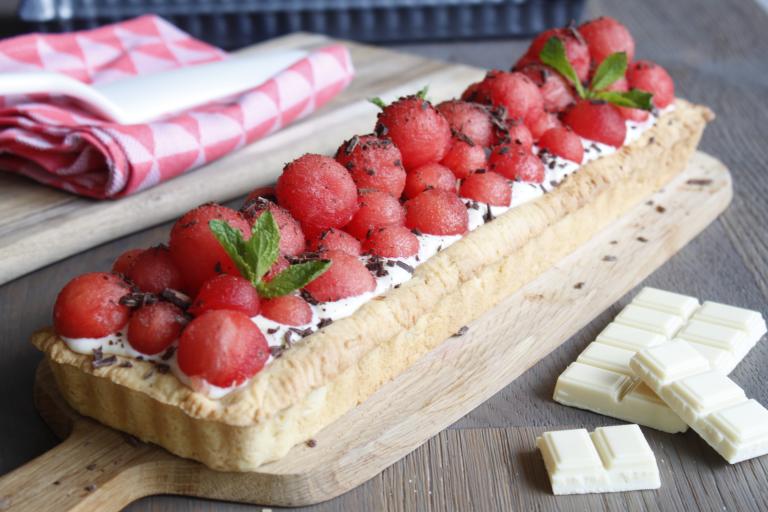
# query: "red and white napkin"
56,143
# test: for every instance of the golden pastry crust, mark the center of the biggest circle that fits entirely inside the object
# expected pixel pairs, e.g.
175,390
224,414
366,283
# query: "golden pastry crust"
342,364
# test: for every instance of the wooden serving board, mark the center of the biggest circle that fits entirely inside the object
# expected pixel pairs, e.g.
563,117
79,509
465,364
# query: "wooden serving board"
40,225
97,468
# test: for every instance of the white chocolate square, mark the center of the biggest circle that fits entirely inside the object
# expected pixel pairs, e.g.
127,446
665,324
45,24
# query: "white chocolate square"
607,357
711,403
707,392
672,361
610,459
749,321
649,319
674,303
630,338
716,335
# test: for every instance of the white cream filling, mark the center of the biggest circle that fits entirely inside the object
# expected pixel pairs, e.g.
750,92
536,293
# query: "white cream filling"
556,169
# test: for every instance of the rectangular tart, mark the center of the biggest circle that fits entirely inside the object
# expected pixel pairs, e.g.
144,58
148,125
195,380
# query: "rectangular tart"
338,367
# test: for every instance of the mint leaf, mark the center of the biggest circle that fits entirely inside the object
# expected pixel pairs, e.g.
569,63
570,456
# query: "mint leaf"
263,248
611,69
232,241
553,55
633,99
378,102
422,94
291,279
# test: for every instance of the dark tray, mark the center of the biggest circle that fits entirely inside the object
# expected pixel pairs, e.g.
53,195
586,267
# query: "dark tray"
233,24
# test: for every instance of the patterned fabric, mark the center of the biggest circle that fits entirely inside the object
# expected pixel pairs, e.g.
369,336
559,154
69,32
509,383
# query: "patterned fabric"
54,142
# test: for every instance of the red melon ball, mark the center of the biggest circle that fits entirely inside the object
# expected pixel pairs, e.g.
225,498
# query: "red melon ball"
374,163
89,306
318,191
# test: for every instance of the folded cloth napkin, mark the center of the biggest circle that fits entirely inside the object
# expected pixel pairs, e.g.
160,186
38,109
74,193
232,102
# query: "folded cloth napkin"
56,143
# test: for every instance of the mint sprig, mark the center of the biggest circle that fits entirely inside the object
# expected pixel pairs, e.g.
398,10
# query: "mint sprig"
611,69
421,94
255,256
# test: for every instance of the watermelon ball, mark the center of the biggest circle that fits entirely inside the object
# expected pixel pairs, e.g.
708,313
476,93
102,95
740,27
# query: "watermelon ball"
346,277
318,191
392,242
546,121
419,131
376,209
226,292
292,242
260,193
598,121
649,76
222,347
154,327
487,187
89,306
464,157
195,250
288,309
153,271
576,50
472,120
519,133
125,261
563,143
374,163
515,162
336,240
437,212
515,92
605,36
429,176
556,92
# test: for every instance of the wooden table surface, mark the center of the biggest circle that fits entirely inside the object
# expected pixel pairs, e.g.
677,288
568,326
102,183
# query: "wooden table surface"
717,51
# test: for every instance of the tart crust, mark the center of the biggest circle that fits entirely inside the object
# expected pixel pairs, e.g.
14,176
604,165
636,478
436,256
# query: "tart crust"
338,367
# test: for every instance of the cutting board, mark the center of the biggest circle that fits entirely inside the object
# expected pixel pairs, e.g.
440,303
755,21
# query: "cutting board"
97,468
40,225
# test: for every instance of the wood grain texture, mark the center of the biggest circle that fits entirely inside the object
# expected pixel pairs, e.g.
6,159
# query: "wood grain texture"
715,50
40,225
437,390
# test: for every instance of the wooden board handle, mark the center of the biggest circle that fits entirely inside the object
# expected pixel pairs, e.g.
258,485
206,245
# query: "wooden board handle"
93,469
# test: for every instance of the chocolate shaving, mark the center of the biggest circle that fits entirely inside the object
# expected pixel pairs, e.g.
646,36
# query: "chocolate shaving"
309,298
642,239
609,258
488,215
351,145
416,232
175,298
404,266
99,361
132,441
370,172
324,322
311,443
660,209
398,163
700,182
579,285
301,332
272,330
162,368
217,268
168,353
613,242
276,351
462,137
138,299
376,266
125,364
148,374
461,332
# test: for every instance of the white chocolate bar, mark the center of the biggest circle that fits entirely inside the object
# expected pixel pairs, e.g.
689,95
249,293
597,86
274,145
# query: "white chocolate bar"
601,380
610,459
710,402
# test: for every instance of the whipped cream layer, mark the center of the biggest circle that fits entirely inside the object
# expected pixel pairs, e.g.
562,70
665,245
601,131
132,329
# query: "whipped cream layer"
388,272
